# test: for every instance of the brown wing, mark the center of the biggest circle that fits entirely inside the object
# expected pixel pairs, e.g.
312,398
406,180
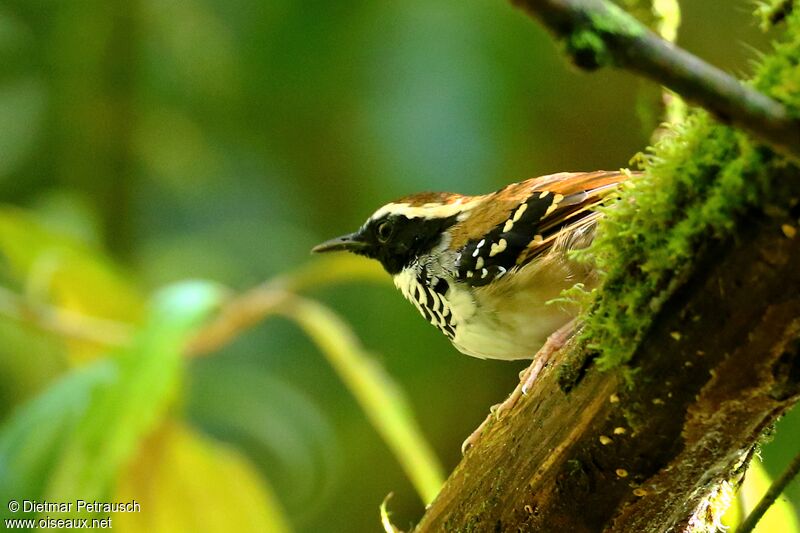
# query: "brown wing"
529,218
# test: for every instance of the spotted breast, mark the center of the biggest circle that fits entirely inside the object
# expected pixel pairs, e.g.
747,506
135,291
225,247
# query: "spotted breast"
428,294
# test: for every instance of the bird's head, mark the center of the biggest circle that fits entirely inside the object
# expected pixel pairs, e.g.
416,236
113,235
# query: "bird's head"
402,231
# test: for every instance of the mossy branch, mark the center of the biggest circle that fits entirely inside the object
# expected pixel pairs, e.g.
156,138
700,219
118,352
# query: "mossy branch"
689,349
654,444
597,33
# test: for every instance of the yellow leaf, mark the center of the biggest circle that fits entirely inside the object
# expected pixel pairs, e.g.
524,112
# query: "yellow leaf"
184,481
76,277
55,268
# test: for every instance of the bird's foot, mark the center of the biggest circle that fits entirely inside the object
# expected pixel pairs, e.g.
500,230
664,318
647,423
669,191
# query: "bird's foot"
526,380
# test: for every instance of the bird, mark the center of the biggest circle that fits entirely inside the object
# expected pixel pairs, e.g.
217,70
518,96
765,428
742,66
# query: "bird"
483,268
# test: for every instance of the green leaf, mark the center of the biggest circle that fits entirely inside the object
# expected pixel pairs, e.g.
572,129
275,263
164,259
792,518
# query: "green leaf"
72,440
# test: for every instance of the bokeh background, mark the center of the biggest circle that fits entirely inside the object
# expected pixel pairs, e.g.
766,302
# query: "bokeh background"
161,141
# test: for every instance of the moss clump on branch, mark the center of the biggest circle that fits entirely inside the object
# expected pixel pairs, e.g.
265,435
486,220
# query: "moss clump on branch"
587,49
773,12
698,180
587,42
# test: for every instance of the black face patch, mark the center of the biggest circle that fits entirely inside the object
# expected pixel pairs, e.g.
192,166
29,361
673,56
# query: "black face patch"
396,240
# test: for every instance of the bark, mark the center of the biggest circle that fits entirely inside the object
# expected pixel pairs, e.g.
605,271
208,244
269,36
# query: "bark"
586,451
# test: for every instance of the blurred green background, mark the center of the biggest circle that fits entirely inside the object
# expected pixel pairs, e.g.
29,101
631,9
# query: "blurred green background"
160,141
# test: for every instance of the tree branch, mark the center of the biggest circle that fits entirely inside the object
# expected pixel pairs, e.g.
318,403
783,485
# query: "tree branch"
585,452
645,420
598,33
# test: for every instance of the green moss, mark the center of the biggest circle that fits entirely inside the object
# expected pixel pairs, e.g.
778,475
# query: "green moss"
574,467
615,21
697,181
587,43
588,49
633,417
772,12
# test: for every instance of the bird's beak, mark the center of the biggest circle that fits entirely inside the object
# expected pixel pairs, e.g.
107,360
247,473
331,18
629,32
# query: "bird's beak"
349,243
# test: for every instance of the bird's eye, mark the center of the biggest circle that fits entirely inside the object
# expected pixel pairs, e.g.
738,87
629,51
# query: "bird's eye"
385,230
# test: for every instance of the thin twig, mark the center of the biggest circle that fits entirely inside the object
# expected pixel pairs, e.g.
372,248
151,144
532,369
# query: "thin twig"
380,398
237,315
252,306
598,33
774,491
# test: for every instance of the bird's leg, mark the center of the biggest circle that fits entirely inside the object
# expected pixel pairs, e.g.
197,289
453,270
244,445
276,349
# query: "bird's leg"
526,379
528,376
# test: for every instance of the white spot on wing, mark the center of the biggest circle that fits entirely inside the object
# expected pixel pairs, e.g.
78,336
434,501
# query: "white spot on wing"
520,212
498,248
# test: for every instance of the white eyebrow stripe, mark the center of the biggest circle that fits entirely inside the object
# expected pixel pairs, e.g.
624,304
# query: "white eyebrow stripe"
431,210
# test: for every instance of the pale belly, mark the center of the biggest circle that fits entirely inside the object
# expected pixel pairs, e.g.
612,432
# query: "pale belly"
508,319
514,329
